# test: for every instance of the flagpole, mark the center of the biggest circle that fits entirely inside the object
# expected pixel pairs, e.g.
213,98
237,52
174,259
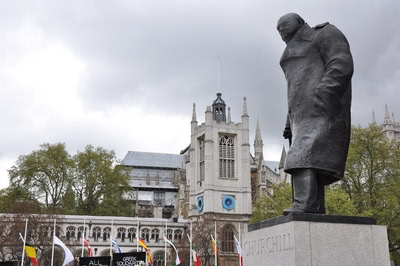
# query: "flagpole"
216,248
24,240
191,245
111,230
137,237
165,243
240,243
84,224
52,249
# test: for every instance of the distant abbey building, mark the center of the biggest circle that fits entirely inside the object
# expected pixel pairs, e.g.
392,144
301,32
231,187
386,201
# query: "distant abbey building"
390,127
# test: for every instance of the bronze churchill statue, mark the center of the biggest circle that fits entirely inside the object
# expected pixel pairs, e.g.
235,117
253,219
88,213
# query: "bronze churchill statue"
318,67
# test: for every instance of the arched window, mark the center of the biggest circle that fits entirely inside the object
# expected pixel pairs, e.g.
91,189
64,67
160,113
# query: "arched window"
169,234
202,158
158,258
178,234
80,232
228,242
146,234
58,231
70,232
106,233
131,234
96,233
226,157
155,235
121,233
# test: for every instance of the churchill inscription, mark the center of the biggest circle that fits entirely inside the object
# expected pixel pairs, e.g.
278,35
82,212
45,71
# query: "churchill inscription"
269,244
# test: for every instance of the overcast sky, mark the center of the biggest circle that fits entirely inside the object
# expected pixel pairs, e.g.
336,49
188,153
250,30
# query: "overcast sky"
124,74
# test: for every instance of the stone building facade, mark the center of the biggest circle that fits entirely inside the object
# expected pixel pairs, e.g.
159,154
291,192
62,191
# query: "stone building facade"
390,127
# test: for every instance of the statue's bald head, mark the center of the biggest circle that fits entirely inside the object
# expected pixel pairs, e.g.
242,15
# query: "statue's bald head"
288,25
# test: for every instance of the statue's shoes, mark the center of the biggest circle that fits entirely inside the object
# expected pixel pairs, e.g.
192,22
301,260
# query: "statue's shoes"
293,210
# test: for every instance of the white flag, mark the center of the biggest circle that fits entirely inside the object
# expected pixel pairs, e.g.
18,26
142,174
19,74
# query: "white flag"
68,254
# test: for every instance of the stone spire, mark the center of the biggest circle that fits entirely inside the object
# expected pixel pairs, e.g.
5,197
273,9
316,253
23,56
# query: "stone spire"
229,115
258,143
283,158
387,117
258,139
245,107
373,118
194,118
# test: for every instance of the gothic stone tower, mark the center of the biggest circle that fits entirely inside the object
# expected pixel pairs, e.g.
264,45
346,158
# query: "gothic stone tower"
218,173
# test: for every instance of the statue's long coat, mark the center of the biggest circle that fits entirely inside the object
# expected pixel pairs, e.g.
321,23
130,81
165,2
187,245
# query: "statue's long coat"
318,67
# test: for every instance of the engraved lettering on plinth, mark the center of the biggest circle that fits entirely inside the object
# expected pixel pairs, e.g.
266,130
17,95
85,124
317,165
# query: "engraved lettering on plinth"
269,244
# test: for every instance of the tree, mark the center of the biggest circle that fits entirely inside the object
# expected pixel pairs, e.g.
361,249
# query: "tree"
69,202
56,182
44,173
39,234
338,201
17,200
372,180
266,207
202,231
99,185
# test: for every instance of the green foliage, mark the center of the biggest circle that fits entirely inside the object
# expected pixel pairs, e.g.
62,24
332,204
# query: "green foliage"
17,200
46,172
372,180
337,202
56,182
100,186
69,201
266,207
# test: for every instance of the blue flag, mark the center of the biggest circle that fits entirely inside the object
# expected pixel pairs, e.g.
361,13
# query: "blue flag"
116,246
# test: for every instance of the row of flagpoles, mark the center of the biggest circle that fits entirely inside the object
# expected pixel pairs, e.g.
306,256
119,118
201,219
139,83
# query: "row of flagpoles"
194,258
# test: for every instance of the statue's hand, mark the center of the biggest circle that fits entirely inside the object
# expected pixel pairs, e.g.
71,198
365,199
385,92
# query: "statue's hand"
287,133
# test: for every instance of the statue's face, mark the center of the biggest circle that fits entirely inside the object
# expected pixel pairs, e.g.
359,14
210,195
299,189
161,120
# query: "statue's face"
288,26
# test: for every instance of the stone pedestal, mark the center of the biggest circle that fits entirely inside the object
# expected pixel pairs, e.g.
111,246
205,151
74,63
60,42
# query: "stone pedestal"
316,240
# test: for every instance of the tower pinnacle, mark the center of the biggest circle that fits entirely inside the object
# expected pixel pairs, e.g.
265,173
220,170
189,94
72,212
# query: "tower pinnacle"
387,116
373,117
258,144
245,107
194,118
258,139
283,158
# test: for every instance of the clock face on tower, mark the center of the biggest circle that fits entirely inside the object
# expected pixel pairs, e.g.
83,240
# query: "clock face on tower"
200,204
228,202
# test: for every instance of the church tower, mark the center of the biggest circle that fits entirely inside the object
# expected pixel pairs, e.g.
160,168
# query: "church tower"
218,169
390,128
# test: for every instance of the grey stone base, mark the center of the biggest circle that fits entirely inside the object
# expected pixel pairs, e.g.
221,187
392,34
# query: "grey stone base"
310,241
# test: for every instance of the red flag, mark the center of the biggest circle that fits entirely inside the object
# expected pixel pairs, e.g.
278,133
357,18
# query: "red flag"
196,258
86,243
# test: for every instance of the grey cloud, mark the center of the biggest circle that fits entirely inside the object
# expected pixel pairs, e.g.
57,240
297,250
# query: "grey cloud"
162,56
